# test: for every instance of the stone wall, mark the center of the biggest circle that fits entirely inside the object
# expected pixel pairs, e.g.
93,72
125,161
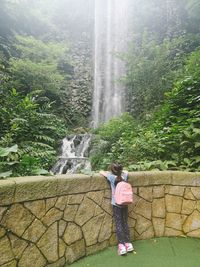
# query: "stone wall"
53,221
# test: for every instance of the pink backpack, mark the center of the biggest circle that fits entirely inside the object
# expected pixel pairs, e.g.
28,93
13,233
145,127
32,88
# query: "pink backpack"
123,193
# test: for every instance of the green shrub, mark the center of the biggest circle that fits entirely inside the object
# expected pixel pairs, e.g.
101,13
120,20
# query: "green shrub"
33,128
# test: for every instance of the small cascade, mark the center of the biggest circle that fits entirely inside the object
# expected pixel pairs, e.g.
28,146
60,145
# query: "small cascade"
74,155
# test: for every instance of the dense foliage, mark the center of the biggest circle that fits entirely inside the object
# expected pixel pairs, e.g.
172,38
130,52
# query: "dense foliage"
152,70
31,83
28,134
40,51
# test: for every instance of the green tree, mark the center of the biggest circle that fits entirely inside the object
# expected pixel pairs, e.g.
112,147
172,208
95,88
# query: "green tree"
152,69
37,66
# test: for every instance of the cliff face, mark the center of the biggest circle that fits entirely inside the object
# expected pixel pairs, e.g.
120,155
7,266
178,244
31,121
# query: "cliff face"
74,21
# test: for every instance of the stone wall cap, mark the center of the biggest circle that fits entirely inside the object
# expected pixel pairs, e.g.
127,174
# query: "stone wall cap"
20,189
30,179
72,176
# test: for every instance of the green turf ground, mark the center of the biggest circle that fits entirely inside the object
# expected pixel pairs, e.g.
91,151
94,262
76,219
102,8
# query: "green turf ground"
159,252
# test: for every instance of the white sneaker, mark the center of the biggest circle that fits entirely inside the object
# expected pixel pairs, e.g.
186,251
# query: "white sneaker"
129,247
121,249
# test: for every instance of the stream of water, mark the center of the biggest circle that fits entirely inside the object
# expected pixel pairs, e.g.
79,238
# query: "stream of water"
112,33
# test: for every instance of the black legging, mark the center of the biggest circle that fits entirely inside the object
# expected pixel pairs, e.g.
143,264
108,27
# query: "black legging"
121,222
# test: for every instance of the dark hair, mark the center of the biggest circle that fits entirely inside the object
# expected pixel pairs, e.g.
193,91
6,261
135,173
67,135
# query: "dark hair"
116,169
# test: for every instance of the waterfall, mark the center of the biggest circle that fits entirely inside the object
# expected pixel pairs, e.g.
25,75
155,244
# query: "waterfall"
111,34
112,30
74,156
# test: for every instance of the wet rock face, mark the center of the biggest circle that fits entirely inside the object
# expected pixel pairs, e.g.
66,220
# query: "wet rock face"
63,219
78,140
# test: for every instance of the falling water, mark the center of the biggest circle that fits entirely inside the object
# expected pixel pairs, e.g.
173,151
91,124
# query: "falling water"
112,31
74,155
